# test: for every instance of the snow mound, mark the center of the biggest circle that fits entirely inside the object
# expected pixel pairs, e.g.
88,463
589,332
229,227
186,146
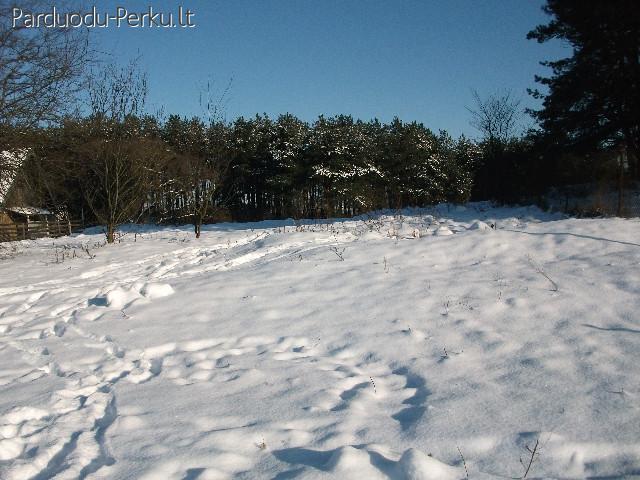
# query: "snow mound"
157,290
120,297
371,236
414,333
10,448
443,231
479,225
511,222
350,462
24,414
415,465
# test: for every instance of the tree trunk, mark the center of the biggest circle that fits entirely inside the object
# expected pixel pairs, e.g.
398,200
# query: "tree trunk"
620,185
110,233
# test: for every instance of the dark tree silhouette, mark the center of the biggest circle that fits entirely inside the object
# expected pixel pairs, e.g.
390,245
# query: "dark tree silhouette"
593,98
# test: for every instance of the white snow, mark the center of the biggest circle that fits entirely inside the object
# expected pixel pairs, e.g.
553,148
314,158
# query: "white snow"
443,231
156,290
368,348
29,210
479,225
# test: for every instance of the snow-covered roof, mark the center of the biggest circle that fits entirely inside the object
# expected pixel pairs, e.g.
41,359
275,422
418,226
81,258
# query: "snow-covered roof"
29,210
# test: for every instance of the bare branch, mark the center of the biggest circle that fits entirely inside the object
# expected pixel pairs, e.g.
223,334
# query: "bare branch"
41,70
496,116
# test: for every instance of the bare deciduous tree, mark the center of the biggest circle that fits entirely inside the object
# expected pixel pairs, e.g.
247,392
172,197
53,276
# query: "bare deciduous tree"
118,178
198,181
40,69
116,93
201,160
496,116
119,163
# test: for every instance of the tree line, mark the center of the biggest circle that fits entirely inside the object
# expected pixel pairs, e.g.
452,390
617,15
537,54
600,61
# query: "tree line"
185,170
109,162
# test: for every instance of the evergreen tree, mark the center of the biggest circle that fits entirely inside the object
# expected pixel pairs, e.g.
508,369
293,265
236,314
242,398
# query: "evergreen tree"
288,180
593,99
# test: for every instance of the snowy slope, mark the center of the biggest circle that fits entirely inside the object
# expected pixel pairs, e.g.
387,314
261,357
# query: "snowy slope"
390,346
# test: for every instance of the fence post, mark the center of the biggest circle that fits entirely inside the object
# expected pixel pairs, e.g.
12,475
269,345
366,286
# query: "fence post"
69,223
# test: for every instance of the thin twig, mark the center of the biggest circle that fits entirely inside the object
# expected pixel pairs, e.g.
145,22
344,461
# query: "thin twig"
463,462
541,271
533,456
339,253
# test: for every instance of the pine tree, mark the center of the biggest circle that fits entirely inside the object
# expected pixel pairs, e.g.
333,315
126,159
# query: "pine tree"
288,182
593,99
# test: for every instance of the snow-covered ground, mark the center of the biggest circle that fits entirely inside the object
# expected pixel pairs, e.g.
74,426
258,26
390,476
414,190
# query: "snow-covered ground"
393,346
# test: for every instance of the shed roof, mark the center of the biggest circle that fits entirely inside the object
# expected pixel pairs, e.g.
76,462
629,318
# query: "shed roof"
29,211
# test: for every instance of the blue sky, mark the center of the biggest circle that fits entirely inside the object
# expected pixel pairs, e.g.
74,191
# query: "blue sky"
415,59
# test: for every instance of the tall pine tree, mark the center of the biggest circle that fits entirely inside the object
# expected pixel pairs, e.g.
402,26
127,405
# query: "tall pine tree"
593,98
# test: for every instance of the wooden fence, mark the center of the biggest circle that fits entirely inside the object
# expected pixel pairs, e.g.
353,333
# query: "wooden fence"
33,230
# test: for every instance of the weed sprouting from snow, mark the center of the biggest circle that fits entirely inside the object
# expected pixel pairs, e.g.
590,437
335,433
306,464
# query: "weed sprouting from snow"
501,284
446,354
339,252
262,445
372,224
617,392
374,385
538,268
445,308
85,249
534,454
119,236
9,251
464,463
64,252
465,302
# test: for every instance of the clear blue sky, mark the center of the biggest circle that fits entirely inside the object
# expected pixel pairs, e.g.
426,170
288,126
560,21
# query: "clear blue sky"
415,59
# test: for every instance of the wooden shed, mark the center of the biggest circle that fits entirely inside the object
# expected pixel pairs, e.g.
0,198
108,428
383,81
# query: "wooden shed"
8,229
28,223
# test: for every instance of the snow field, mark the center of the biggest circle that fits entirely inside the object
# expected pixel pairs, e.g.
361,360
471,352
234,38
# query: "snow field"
379,347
